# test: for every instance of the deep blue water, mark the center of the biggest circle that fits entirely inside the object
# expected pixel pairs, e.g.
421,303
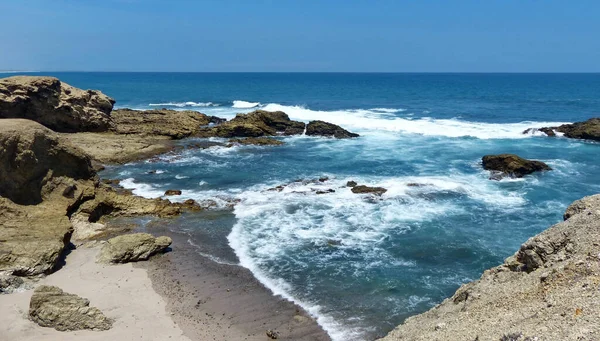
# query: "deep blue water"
361,265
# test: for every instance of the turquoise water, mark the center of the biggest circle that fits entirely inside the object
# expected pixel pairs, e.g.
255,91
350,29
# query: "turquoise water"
361,266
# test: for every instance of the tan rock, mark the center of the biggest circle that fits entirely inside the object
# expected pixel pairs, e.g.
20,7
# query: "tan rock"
132,248
51,307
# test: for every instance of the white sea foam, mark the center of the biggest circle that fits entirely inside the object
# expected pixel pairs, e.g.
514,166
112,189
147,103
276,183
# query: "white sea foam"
179,177
141,189
244,105
184,104
373,119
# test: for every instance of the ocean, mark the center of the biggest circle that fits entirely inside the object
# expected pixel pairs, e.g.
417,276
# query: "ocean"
362,266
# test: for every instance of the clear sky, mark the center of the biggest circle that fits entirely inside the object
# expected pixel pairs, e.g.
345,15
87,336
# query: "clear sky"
301,35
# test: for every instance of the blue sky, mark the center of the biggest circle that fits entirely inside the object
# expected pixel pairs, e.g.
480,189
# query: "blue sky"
302,35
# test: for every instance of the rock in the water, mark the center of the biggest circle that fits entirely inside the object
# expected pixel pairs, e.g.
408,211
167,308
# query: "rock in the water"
257,141
362,189
170,192
132,248
588,130
56,105
172,123
52,307
255,124
512,165
320,128
31,155
351,183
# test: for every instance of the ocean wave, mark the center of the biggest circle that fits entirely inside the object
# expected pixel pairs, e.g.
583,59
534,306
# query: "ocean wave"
184,104
374,120
244,105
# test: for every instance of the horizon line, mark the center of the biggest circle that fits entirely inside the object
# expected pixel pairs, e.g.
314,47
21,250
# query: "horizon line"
330,72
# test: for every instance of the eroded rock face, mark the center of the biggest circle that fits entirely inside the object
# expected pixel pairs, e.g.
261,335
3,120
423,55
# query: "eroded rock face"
320,128
512,165
54,104
552,280
164,122
31,155
52,307
132,248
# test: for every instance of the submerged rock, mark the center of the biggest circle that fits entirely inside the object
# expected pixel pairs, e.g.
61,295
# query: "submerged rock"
512,165
132,248
54,104
321,128
52,307
362,189
257,141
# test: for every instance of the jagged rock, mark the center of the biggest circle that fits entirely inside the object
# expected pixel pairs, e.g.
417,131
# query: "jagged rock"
170,192
547,131
31,155
258,141
255,124
587,130
132,248
164,122
52,307
56,105
362,189
320,128
552,280
351,183
9,283
512,165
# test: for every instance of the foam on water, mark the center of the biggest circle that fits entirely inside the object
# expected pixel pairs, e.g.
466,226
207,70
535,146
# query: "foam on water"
244,105
184,104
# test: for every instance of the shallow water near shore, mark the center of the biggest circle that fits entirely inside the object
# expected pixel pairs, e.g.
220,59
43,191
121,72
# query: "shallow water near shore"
359,264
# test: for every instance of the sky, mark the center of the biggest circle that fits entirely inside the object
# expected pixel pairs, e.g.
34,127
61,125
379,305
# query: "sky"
300,36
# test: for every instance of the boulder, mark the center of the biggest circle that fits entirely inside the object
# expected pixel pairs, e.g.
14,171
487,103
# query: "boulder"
9,283
255,124
31,155
320,128
164,122
54,104
257,141
351,183
170,192
132,248
52,307
362,189
587,130
512,165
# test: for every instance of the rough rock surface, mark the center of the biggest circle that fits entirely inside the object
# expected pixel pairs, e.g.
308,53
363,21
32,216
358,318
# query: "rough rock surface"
547,291
56,105
255,124
320,128
257,141
512,165
132,248
362,189
51,307
9,283
587,130
31,155
164,122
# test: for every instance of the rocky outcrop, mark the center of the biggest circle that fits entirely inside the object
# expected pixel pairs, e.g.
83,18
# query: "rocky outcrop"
31,156
164,122
132,248
548,290
9,283
511,165
170,192
587,130
52,307
320,128
362,189
54,104
256,124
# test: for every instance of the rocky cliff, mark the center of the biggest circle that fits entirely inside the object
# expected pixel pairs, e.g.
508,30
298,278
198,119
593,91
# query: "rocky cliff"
54,104
548,290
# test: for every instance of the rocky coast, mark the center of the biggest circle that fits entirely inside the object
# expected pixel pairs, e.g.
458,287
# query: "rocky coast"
76,263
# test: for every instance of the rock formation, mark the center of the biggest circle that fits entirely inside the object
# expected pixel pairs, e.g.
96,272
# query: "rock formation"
255,124
54,104
362,189
320,128
548,290
51,307
257,141
164,122
132,248
512,165
587,130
